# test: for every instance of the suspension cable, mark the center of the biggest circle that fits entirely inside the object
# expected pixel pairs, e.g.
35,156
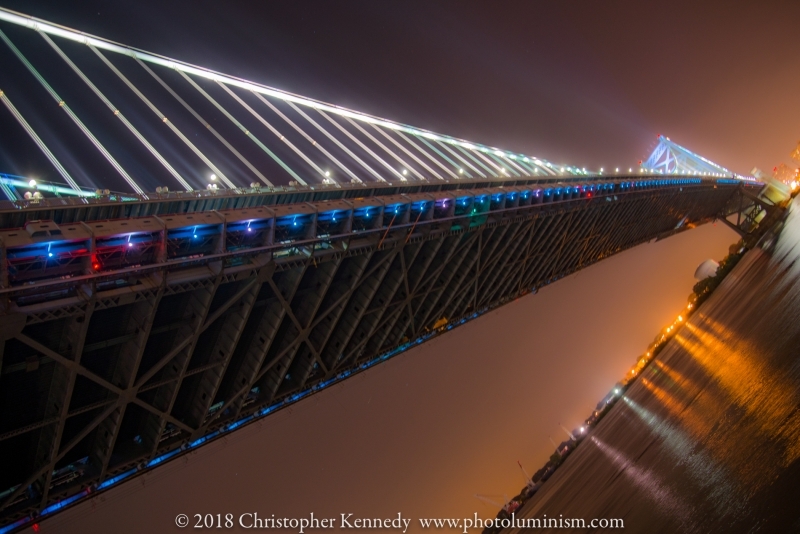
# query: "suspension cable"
116,112
163,118
63,105
36,139
197,116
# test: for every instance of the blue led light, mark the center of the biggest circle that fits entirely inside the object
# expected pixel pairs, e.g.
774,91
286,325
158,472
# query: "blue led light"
66,502
12,526
163,457
114,480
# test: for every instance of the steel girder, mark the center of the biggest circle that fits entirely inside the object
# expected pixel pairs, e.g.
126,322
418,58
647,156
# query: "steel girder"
115,379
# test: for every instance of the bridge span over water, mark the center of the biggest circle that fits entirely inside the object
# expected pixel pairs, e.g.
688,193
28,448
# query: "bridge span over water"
140,320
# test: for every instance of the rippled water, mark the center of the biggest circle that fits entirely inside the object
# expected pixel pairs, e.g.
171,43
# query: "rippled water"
709,439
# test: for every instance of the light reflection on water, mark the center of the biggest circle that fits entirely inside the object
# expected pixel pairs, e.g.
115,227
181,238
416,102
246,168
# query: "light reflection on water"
647,481
708,440
706,472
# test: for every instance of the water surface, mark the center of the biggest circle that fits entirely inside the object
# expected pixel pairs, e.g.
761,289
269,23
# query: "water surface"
708,440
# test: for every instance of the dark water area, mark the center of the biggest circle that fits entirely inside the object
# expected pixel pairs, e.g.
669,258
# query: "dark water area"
708,440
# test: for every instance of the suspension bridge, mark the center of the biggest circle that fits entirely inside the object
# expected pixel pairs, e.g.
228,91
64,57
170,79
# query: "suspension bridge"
196,251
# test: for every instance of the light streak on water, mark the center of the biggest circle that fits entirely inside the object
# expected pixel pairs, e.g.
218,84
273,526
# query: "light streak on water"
706,472
647,481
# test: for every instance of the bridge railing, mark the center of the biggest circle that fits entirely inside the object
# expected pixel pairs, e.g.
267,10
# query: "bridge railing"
43,259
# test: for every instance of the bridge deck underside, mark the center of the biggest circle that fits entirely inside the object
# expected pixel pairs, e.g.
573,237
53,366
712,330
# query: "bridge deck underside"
104,382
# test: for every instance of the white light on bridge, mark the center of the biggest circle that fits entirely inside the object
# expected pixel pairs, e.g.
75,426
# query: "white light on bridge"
213,177
32,183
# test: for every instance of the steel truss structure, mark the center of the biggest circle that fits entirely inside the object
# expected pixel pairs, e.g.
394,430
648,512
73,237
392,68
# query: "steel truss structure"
135,326
107,372
755,215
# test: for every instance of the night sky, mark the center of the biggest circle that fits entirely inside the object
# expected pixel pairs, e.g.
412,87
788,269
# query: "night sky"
588,83
585,83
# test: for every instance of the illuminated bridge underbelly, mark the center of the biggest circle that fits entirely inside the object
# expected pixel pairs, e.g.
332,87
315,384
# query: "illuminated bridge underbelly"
129,341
